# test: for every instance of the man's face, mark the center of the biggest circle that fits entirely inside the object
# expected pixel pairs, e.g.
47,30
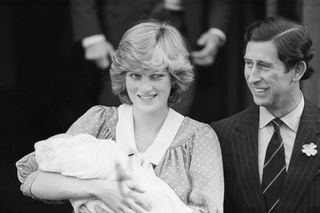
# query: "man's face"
267,78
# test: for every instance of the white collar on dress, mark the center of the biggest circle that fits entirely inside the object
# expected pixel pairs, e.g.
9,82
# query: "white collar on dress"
126,139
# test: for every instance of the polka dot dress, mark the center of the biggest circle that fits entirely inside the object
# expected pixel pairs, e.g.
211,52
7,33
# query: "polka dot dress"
192,166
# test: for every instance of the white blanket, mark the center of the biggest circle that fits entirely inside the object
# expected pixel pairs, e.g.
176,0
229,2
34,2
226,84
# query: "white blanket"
85,157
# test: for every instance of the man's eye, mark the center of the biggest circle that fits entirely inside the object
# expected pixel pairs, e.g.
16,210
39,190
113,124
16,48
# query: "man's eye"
264,67
248,64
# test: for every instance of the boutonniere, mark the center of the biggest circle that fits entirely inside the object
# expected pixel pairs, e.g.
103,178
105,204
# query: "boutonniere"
309,149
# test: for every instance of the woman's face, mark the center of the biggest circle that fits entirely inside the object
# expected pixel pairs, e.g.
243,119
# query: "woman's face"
149,92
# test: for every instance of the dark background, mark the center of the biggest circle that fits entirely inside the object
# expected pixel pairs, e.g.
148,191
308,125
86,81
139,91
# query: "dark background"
45,84
44,87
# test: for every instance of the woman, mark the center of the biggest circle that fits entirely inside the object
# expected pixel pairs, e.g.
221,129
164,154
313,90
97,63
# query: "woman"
150,70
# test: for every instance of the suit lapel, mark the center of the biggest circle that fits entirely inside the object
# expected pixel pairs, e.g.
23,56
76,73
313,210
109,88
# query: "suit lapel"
302,168
246,159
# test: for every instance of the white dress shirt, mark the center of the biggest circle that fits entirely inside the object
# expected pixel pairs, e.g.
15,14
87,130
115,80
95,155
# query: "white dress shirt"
288,131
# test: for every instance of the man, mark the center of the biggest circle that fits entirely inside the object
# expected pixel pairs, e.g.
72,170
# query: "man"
273,165
99,26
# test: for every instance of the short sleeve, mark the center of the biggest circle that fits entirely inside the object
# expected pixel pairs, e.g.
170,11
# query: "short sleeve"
27,168
206,171
98,121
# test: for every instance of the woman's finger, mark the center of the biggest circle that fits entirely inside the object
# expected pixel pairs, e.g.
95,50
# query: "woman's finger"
105,209
134,186
134,207
84,209
139,201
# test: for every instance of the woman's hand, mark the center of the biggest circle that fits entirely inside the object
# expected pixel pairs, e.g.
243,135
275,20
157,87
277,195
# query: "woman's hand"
97,208
122,196
84,209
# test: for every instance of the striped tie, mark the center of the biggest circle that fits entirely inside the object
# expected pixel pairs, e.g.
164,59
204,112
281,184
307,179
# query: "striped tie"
274,169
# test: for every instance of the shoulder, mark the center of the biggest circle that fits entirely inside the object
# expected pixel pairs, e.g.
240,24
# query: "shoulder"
95,121
99,113
227,125
193,126
202,140
191,129
108,113
103,110
311,116
234,119
311,108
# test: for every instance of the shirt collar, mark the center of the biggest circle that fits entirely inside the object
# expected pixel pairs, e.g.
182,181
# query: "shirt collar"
291,120
163,140
155,152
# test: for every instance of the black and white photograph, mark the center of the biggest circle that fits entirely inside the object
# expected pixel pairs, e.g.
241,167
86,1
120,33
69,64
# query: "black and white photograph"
160,106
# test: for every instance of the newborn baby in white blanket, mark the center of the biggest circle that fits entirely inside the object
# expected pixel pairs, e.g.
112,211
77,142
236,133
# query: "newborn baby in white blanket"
85,157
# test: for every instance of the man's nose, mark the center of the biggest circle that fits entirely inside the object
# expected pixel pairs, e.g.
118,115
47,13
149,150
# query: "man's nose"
254,75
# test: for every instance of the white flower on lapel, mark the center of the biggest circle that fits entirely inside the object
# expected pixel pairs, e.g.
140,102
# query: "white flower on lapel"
310,149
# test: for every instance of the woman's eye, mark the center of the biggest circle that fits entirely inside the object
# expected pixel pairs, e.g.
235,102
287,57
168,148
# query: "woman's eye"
156,76
135,76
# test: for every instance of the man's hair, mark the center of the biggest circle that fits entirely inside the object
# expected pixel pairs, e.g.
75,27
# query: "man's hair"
291,39
152,46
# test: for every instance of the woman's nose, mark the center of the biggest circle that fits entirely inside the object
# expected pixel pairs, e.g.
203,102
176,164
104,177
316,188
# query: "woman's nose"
146,84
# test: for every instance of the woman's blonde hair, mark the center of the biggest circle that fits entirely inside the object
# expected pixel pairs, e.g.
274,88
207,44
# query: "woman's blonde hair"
152,46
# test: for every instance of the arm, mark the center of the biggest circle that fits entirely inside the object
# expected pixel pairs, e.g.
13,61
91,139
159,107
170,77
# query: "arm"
87,29
206,172
53,186
98,50
117,195
84,16
50,187
27,171
91,122
211,40
219,14
27,167
97,121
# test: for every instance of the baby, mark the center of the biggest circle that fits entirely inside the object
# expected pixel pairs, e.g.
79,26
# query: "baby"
86,157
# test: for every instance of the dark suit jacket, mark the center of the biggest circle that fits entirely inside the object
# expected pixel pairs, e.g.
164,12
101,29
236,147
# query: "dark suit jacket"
238,136
114,17
200,15
109,17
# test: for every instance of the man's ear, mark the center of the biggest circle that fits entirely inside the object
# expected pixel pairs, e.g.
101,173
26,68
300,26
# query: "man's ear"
298,70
